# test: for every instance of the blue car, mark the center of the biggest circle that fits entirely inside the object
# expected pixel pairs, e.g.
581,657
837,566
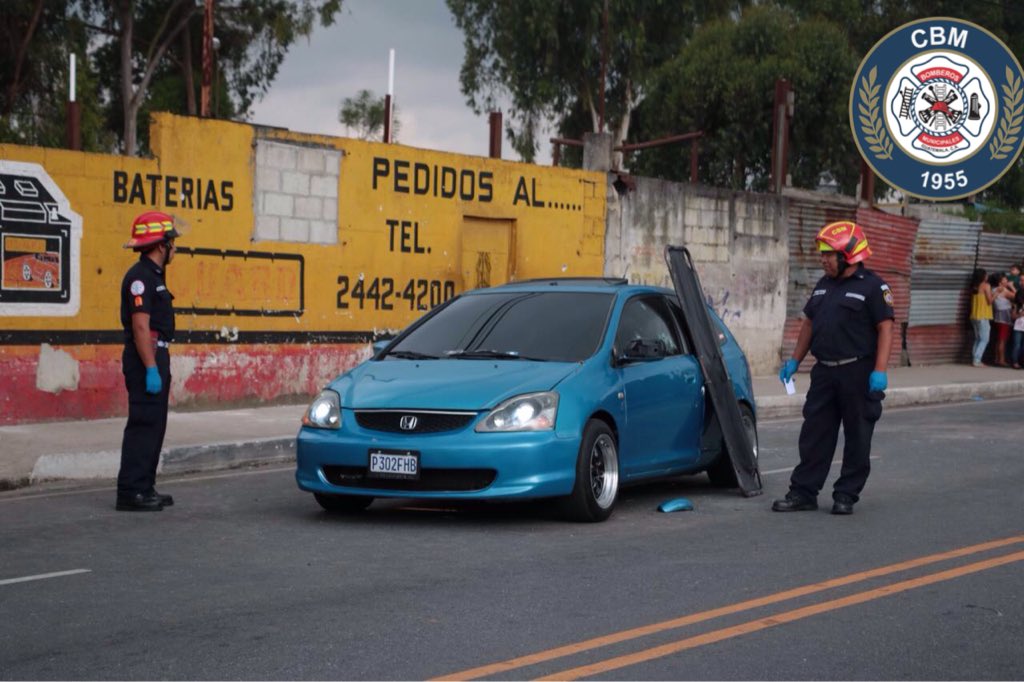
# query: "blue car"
557,388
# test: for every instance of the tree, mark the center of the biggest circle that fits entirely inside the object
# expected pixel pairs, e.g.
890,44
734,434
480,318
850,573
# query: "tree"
545,58
365,114
35,44
723,83
138,56
157,39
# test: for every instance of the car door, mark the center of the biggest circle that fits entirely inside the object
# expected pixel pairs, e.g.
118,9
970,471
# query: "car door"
661,384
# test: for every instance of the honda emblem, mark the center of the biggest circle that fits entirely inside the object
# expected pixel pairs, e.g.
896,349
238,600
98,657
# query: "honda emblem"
408,422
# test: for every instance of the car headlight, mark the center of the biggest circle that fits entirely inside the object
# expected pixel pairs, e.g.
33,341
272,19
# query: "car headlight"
530,412
324,412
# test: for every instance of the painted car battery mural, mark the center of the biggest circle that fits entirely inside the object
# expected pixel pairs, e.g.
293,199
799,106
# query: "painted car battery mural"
35,243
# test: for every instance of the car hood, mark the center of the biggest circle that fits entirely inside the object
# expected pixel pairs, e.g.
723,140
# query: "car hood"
445,384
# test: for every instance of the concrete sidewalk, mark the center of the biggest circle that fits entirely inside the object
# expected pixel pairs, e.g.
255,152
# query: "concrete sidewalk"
198,441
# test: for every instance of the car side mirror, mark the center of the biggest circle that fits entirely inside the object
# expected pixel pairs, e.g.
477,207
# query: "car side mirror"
378,346
642,350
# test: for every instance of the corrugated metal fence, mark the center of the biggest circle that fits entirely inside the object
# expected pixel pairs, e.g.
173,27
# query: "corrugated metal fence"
891,238
996,252
944,257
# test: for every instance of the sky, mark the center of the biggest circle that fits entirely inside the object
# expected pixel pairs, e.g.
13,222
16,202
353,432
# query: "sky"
352,55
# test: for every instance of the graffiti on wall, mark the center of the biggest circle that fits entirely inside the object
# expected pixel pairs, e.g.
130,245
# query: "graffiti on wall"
39,244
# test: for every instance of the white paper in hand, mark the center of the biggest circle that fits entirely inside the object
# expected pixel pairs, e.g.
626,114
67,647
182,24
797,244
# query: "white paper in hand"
790,387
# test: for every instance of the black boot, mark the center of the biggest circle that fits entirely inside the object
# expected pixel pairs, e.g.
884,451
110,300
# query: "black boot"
139,502
794,502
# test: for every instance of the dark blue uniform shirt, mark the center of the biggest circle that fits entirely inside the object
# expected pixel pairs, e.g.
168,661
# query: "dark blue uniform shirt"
143,291
845,314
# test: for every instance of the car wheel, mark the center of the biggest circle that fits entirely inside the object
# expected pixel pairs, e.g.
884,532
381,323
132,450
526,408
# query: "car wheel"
721,472
26,272
597,475
342,503
48,280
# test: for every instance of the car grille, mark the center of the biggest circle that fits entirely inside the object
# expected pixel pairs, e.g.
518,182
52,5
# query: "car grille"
430,480
425,422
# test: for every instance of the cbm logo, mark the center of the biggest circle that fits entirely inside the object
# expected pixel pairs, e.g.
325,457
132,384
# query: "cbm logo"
936,108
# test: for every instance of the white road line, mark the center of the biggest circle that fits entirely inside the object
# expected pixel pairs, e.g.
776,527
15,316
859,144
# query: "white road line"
44,576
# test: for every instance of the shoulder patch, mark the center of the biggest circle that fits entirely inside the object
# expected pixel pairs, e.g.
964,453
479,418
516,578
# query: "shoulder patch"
137,288
887,295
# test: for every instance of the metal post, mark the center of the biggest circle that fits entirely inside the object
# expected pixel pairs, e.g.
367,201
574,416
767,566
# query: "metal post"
556,153
781,113
74,131
494,148
387,97
694,153
867,183
204,90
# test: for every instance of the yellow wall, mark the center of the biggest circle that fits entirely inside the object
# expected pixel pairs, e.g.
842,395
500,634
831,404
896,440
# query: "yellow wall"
397,232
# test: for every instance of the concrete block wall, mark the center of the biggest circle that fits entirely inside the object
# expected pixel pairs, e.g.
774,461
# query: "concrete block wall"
737,240
296,197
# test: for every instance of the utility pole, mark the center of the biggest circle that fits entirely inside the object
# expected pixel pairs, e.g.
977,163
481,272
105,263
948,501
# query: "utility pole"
204,92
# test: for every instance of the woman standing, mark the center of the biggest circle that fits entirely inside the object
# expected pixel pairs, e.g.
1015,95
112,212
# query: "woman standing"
981,313
1002,318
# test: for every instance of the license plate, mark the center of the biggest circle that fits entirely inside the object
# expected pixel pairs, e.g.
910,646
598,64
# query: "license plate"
394,464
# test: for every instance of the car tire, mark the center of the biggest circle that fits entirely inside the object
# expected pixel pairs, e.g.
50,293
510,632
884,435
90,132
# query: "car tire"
26,272
596,490
48,280
721,472
342,503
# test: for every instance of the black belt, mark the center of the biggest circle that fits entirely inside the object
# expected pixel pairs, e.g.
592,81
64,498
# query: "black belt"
837,363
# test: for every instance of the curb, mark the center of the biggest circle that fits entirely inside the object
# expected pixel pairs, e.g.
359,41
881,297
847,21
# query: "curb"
175,460
777,407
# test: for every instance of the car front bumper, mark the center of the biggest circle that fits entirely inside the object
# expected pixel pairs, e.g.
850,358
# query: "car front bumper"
456,465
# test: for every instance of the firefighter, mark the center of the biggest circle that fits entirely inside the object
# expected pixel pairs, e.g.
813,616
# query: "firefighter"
848,326
147,316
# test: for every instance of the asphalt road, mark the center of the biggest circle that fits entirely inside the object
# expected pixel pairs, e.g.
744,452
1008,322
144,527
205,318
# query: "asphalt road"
245,578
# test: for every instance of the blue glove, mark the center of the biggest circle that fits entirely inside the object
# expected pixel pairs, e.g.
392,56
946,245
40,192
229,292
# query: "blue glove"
878,381
153,383
788,370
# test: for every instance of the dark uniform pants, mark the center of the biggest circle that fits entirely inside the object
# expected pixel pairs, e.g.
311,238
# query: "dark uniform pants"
837,395
147,423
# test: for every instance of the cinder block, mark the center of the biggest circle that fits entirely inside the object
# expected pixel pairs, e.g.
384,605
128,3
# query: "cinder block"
311,160
323,232
294,182
268,179
279,156
324,186
309,207
330,209
294,230
267,228
332,163
278,204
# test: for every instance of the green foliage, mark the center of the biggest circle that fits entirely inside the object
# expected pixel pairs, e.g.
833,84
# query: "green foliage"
544,59
723,83
254,37
365,114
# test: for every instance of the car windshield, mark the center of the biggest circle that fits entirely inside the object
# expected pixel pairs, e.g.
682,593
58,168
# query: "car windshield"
555,326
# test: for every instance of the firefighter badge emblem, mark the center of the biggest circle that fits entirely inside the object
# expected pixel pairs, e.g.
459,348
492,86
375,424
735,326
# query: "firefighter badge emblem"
937,108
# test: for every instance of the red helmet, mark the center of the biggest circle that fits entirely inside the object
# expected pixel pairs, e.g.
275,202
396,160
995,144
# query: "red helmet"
847,238
151,228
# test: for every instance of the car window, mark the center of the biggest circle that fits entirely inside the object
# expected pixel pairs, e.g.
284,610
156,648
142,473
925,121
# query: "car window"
558,326
718,327
646,319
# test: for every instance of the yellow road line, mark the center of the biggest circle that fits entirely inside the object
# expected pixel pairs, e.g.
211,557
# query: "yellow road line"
779,619
643,631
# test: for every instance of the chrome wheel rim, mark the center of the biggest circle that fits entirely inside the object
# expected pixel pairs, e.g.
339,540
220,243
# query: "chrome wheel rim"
604,471
748,424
